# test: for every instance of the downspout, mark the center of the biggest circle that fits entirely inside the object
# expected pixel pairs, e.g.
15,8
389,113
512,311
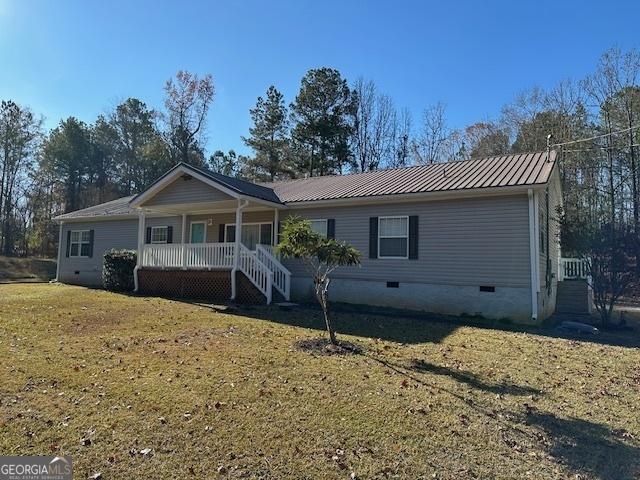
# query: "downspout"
236,250
533,254
59,253
141,234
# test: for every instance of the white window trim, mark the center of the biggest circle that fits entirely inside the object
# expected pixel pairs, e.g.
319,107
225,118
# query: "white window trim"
80,242
204,223
326,224
406,257
249,223
158,227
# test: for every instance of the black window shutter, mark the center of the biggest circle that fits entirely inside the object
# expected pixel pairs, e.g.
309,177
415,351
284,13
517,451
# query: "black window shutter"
221,233
413,237
90,243
169,234
148,235
331,228
68,241
373,237
279,232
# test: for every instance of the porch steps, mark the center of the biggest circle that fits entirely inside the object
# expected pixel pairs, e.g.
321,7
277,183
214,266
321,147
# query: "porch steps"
572,297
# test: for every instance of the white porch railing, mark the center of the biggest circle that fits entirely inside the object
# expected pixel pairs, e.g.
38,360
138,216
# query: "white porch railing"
260,267
573,268
259,274
162,255
188,255
281,275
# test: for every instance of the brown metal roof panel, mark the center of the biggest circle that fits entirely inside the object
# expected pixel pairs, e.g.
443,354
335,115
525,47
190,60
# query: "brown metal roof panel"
493,180
469,175
448,175
531,170
517,169
483,176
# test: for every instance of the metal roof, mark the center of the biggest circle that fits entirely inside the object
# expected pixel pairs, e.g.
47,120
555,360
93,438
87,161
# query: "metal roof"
240,186
112,208
500,171
526,169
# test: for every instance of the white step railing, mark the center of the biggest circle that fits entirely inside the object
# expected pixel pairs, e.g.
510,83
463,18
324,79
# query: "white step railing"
188,255
573,268
281,275
256,271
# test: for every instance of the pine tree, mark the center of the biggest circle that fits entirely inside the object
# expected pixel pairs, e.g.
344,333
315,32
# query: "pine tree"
323,114
269,138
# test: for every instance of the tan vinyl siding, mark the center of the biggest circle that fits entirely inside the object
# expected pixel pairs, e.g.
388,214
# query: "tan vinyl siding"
187,191
478,241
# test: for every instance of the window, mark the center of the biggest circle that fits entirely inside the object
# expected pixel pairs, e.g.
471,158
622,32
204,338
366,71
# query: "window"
252,234
393,237
159,234
319,226
80,245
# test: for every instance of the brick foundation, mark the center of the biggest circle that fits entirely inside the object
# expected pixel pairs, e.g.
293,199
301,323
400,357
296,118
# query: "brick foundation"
214,285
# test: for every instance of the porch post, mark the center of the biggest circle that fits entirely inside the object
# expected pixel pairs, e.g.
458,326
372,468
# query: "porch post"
236,249
59,253
276,220
141,235
183,241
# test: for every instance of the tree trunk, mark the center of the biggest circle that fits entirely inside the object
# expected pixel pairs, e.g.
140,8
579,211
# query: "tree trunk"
322,287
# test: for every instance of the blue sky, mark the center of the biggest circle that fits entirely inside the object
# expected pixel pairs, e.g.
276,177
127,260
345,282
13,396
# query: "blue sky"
81,58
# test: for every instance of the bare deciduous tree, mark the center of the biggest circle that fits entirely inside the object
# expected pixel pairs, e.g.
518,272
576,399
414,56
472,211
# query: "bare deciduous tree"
187,101
373,136
430,146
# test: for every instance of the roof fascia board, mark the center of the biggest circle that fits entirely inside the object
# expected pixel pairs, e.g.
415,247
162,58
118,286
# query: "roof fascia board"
419,196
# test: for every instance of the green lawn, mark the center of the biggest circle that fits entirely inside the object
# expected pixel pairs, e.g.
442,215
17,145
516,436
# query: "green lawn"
220,395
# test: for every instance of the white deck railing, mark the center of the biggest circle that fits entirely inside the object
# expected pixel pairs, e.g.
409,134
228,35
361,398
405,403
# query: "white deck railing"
261,267
259,274
281,275
188,255
573,269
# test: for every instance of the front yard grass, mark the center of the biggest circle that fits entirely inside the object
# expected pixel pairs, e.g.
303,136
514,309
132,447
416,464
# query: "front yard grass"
103,377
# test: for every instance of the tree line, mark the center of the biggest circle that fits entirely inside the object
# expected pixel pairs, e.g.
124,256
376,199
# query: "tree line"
332,126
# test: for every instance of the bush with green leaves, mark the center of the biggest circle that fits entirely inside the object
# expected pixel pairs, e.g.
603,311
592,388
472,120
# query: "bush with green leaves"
117,270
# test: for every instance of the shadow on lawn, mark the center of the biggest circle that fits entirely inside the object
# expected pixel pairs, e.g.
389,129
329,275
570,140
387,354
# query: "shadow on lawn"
584,447
472,380
390,327
588,447
416,327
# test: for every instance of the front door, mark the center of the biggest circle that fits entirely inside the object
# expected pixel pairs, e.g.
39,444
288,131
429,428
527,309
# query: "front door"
198,232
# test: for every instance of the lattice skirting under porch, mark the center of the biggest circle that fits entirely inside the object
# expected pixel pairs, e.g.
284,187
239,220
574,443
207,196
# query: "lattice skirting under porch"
214,285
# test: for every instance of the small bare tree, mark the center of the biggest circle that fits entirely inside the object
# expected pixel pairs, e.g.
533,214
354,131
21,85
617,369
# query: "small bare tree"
321,257
430,146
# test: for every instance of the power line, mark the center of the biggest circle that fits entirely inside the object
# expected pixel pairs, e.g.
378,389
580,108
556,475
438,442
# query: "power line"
595,137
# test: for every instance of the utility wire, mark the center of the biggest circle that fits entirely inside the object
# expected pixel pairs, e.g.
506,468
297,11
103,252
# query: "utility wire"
595,137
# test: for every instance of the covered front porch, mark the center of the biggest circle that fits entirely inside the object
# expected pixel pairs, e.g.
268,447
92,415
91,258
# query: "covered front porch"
190,222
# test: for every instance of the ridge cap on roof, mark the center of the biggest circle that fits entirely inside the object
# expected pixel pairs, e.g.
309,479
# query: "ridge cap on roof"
408,167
